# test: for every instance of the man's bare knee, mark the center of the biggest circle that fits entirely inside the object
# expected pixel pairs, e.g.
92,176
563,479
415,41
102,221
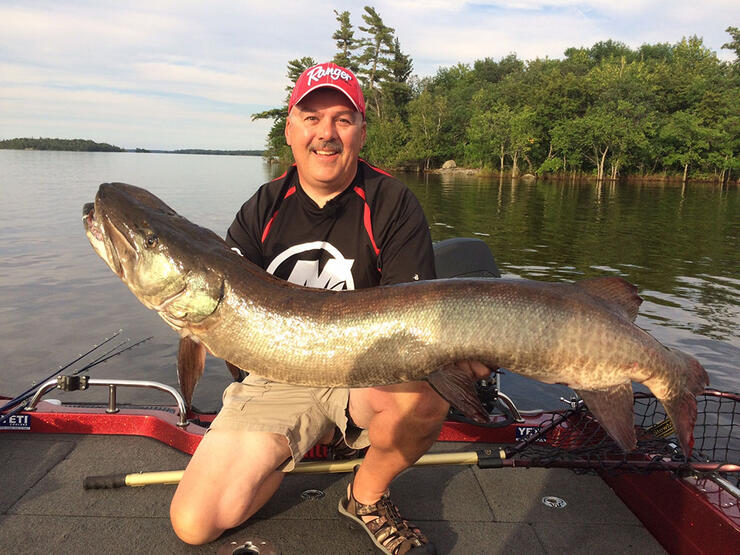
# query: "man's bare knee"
230,476
188,524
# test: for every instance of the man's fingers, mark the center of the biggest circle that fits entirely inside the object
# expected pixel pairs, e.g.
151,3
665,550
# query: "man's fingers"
475,369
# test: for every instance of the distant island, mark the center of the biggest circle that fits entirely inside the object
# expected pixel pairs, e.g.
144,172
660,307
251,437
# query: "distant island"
84,145
81,145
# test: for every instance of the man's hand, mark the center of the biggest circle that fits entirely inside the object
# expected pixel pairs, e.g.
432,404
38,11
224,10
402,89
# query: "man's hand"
476,370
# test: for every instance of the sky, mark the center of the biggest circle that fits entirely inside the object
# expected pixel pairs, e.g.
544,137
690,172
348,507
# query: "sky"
162,74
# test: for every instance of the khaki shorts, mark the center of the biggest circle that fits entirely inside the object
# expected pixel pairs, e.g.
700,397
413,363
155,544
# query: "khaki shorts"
302,414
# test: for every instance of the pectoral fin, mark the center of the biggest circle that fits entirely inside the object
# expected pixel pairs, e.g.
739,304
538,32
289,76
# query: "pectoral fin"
613,408
458,389
191,361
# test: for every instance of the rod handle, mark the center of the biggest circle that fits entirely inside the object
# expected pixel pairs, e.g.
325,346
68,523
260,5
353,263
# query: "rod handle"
109,481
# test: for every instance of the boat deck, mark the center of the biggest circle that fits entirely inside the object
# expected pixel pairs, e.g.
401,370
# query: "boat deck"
464,510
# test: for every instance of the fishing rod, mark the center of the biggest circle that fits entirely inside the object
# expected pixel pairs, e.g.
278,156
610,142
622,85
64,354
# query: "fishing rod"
31,390
107,356
485,458
95,361
19,400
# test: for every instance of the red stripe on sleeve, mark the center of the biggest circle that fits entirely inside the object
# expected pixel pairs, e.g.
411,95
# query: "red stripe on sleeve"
376,169
366,220
269,224
284,173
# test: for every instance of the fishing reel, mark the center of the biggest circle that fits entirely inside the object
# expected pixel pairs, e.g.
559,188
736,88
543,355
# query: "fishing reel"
494,402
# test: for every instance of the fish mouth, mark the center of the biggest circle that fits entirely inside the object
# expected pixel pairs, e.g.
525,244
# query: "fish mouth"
107,241
88,220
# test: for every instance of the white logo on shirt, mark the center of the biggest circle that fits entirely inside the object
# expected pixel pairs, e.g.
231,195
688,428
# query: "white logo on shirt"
336,273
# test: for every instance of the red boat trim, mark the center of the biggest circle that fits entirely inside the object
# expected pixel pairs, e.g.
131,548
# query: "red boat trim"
156,424
680,516
162,426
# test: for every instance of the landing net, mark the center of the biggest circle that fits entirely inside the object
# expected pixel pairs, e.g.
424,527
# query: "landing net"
574,439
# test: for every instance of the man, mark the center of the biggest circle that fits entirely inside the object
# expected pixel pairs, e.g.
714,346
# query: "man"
331,221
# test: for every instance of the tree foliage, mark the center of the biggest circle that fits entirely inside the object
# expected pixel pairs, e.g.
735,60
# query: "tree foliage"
80,145
277,148
608,110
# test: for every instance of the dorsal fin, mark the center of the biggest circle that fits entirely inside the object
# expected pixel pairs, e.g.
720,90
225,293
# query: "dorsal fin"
617,292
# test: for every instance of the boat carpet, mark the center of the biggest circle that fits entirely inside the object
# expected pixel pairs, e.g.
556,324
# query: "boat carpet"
465,510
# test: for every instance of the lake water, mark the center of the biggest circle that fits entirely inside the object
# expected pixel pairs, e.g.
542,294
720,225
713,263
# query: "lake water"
58,299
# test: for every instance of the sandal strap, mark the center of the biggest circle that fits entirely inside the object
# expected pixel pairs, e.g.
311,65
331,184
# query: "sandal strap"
390,529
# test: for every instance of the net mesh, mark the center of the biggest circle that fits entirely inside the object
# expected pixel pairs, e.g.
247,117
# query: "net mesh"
575,439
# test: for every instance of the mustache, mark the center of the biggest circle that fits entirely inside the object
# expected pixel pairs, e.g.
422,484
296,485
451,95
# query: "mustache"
333,146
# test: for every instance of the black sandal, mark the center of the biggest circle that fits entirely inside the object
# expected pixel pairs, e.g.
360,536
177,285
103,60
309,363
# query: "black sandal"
389,531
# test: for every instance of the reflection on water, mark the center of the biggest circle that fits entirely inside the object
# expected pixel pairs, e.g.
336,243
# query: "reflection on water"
57,298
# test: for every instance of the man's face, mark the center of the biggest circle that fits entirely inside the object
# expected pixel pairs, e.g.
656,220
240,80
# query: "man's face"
325,133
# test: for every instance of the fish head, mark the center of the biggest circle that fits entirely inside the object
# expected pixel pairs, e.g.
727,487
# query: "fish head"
162,257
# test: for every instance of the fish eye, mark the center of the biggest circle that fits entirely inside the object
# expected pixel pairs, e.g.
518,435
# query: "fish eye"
152,240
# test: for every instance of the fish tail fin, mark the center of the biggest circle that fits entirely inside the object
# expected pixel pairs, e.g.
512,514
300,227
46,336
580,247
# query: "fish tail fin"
613,408
458,388
681,408
191,361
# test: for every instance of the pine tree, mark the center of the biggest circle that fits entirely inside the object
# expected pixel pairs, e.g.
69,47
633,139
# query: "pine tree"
397,89
374,58
346,43
276,147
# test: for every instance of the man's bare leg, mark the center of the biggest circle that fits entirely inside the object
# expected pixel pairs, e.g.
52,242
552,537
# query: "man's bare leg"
403,421
230,476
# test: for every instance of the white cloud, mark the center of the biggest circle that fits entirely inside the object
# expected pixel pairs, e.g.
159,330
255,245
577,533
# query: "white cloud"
125,119
189,73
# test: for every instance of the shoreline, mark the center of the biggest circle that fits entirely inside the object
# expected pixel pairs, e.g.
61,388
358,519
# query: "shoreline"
529,177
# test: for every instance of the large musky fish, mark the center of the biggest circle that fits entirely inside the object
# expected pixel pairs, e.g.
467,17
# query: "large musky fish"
581,334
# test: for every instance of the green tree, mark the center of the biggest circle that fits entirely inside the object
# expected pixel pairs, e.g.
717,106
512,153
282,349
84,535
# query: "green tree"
374,59
426,116
386,139
458,86
488,133
277,148
734,45
567,140
606,108
396,89
491,71
346,42
688,138
521,137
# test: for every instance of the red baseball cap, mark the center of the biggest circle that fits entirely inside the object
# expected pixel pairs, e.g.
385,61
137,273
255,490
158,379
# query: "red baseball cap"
328,75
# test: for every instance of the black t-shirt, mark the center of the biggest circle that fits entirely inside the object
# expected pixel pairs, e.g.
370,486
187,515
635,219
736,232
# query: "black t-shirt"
373,233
